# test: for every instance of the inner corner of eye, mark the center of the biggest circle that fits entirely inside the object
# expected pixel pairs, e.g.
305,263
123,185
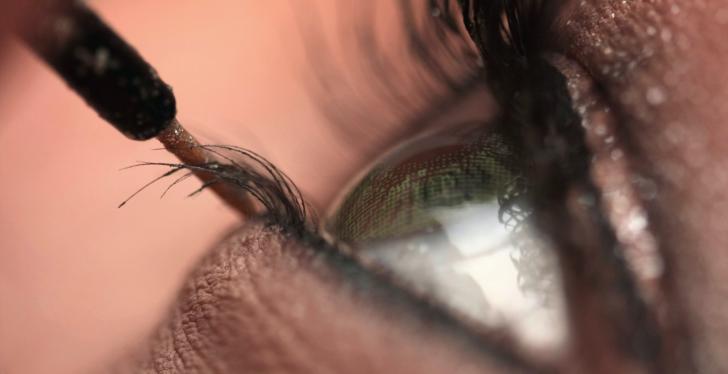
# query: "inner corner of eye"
446,214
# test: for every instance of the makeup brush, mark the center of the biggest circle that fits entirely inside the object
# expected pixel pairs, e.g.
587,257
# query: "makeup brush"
114,80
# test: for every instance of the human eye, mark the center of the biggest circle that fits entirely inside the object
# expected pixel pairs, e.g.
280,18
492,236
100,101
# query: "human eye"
552,190
511,222
447,213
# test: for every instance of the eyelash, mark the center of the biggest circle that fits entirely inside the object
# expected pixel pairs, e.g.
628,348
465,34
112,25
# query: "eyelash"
451,70
282,201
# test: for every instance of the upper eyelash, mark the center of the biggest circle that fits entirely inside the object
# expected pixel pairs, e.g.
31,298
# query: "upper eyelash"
244,169
282,200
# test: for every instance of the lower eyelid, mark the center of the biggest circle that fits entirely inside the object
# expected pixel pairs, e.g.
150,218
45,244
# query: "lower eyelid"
370,288
263,301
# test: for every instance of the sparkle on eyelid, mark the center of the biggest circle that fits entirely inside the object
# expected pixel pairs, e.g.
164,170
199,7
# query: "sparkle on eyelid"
655,96
616,154
600,130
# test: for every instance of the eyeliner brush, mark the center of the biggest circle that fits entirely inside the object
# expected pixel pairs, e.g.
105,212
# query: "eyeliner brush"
120,86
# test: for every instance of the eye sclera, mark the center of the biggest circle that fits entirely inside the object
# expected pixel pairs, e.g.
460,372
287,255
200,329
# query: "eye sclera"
444,214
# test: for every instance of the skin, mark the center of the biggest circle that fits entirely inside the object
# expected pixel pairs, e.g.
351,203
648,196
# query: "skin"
688,170
261,301
220,315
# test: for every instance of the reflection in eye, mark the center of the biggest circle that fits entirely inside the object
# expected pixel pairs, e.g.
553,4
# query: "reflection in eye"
446,214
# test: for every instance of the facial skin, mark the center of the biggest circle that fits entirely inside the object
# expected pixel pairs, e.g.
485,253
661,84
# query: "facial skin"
246,296
671,105
263,302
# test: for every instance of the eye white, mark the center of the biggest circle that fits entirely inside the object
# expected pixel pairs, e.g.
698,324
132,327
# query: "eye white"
487,264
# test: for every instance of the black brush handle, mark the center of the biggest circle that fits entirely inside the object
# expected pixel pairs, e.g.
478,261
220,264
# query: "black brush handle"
104,70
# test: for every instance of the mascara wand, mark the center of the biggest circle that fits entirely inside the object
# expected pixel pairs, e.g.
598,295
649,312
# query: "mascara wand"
120,86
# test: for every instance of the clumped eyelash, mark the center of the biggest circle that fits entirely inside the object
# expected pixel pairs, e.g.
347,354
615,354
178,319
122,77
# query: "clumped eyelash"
451,66
250,172
451,70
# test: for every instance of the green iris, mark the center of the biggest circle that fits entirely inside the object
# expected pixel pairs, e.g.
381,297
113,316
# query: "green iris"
397,197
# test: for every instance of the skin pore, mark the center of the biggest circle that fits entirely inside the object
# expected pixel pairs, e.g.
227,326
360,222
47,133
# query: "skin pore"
264,302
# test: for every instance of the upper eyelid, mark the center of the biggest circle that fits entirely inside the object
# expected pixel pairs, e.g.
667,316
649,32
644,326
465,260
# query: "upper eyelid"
373,89
353,97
